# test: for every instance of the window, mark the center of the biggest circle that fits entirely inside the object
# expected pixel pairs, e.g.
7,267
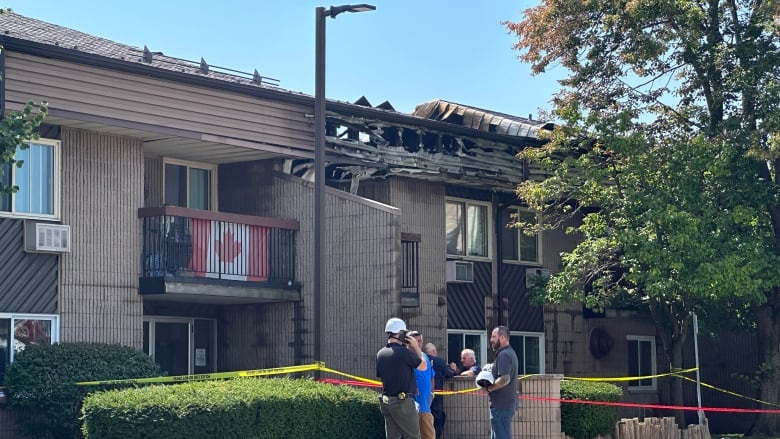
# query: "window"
410,274
190,185
18,331
515,244
641,361
529,348
459,340
467,228
38,181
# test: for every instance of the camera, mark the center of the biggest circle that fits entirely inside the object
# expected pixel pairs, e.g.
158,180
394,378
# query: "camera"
403,338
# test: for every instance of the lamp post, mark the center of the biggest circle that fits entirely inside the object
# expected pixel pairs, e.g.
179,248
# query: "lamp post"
319,162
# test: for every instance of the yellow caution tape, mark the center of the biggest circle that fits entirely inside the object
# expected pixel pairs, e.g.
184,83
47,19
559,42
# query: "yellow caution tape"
209,376
728,392
637,378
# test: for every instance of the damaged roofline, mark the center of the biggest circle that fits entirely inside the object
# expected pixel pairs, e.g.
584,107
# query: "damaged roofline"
77,56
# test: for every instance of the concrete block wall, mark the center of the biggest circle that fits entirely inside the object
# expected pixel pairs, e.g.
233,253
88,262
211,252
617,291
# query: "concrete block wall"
468,415
102,189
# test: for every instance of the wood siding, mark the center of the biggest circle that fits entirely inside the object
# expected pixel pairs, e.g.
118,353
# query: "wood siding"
138,99
102,181
28,281
522,316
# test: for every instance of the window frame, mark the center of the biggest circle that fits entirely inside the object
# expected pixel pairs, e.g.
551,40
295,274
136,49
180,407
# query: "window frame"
55,327
481,354
410,266
56,184
465,202
539,241
653,363
195,165
521,364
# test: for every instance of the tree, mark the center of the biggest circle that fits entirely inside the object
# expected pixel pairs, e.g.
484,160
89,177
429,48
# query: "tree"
668,151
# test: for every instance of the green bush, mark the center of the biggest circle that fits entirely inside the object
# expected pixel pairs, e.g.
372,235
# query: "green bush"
585,421
238,408
41,382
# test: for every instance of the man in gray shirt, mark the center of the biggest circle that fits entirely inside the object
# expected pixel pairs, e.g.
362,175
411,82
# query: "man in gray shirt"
503,392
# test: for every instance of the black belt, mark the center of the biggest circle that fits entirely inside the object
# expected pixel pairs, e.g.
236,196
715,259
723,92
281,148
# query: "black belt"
400,396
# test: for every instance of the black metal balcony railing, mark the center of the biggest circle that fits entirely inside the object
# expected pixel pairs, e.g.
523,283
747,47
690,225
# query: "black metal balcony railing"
181,242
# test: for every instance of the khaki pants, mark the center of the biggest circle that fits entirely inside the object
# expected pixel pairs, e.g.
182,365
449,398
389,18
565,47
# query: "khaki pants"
401,420
426,426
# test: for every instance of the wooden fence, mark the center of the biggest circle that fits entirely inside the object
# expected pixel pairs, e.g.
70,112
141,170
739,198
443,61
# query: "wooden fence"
658,428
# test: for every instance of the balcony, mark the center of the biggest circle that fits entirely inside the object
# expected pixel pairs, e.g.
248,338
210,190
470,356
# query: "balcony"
213,257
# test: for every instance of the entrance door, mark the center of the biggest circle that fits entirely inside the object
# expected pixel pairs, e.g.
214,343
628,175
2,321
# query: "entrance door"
181,345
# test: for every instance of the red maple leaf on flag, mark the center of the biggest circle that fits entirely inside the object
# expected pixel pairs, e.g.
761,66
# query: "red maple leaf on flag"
228,248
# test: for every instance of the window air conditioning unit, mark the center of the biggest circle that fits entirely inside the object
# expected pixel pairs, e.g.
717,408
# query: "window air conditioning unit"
460,271
46,237
532,273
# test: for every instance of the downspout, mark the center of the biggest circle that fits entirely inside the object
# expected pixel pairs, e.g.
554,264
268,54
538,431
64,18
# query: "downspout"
2,82
496,269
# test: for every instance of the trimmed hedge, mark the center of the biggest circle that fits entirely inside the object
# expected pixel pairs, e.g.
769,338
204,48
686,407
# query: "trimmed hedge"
585,421
237,408
41,382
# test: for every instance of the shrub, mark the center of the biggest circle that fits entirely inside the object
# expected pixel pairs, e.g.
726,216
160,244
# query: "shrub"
585,421
41,382
237,408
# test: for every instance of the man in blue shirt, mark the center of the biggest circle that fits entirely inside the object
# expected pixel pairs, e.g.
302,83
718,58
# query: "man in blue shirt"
424,380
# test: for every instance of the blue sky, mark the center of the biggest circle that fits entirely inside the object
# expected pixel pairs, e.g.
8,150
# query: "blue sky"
406,52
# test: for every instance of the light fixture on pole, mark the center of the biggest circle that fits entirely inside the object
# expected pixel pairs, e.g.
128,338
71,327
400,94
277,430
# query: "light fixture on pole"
319,162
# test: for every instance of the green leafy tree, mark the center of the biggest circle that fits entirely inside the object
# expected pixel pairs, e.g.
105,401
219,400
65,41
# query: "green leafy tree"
667,152
17,127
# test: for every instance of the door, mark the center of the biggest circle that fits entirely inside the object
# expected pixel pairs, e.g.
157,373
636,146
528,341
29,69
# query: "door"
181,345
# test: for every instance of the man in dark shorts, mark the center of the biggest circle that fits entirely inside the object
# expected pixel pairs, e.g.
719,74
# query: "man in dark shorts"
395,365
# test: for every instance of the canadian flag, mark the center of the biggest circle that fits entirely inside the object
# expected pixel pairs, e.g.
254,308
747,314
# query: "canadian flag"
229,250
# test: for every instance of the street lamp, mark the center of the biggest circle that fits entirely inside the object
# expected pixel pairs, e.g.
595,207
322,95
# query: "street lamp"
319,161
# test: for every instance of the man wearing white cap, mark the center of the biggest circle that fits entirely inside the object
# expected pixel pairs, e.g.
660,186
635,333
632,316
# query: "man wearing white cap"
395,365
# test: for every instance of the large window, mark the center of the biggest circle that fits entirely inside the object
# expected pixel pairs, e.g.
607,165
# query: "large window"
467,228
189,185
516,245
529,348
641,361
38,181
18,331
458,340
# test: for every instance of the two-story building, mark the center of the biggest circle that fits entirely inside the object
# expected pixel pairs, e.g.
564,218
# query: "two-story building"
168,206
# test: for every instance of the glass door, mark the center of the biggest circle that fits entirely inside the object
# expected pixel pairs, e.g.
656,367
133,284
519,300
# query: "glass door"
172,347
181,345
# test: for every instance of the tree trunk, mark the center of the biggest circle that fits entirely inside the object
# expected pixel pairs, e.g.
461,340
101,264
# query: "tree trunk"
676,389
769,339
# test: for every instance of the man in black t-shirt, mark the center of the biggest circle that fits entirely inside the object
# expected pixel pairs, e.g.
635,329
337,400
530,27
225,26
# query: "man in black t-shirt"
395,365
503,392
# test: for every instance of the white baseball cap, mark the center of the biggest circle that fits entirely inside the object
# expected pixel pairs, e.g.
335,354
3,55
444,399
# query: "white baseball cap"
395,325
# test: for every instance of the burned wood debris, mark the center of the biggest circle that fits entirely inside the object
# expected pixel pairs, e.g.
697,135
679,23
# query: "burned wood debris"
439,141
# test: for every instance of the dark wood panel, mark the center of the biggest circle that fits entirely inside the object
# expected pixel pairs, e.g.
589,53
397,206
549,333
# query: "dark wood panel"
28,281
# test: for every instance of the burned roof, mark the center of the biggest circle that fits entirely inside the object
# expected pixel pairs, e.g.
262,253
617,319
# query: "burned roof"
479,119
440,140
